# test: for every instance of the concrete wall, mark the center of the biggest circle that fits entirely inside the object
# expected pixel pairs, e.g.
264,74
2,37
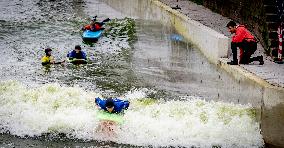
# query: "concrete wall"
215,46
272,108
272,119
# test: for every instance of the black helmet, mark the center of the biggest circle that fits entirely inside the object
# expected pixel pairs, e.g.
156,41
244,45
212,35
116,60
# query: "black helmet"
94,18
109,103
78,47
47,50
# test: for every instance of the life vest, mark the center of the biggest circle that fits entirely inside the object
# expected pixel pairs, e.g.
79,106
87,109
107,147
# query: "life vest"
46,59
119,105
95,28
87,27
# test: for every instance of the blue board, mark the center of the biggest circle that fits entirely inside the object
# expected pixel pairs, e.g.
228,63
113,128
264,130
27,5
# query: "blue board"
92,35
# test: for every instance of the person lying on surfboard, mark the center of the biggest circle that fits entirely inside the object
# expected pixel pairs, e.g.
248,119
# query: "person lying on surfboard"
94,25
112,105
48,58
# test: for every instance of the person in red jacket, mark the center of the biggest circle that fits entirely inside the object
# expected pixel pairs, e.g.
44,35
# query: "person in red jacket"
94,25
246,42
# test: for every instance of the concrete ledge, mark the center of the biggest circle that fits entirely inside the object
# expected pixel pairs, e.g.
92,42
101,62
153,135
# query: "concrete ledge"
240,73
272,109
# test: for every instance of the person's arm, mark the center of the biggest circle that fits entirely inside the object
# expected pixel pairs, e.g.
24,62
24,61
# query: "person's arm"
71,55
99,25
62,62
104,21
239,35
84,55
87,27
125,104
51,60
97,100
100,103
68,55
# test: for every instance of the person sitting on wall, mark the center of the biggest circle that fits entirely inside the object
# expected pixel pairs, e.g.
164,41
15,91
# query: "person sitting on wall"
246,42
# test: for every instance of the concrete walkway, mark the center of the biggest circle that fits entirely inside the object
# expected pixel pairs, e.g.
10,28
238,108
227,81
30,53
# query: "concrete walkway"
271,72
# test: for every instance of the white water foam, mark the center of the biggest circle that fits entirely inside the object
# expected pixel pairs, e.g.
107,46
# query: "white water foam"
107,45
55,109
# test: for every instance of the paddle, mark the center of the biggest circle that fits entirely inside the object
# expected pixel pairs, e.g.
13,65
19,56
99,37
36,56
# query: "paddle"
103,22
100,23
106,20
59,62
48,63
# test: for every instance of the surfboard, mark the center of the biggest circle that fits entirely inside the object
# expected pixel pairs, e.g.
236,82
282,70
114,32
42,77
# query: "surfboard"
77,61
105,116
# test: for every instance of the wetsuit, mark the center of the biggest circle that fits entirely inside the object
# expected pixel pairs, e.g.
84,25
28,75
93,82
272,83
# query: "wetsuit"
119,105
80,55
96,27
46,60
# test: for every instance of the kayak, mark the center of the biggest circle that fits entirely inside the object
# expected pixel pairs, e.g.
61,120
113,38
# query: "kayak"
105,116
92,35
77,61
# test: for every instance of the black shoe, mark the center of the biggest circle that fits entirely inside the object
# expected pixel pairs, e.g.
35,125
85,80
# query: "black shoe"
232,63
261,62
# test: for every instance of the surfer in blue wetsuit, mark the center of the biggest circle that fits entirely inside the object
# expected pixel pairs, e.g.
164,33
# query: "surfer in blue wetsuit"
112,105
77,53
